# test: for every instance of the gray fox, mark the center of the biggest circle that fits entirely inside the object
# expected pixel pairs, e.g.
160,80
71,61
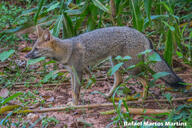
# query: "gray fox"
77,53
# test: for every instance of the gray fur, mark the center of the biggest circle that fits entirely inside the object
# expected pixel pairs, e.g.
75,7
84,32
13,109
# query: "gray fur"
89,48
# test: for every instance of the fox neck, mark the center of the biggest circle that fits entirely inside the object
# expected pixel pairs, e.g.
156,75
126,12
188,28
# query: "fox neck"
62,50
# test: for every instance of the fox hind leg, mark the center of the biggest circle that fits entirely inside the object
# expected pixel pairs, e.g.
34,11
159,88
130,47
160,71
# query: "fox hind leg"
117,79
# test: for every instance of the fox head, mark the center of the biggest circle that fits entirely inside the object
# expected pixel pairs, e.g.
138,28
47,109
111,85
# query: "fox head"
43,45
50,47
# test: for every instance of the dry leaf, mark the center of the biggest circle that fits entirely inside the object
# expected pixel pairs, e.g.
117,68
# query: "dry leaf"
189,100
4,92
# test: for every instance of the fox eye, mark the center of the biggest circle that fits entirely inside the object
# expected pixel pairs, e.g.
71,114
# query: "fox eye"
36,49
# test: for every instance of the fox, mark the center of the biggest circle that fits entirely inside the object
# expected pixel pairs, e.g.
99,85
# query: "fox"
79,52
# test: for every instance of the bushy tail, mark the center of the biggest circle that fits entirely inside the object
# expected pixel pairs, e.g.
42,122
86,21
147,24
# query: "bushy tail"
172,79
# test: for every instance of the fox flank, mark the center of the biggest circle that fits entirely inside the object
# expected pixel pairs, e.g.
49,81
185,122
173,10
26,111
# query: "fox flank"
77,53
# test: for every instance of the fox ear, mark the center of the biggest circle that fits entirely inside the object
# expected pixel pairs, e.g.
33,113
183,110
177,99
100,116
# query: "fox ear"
39,30
47,35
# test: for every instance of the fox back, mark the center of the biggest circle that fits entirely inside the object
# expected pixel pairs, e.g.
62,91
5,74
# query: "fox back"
112,41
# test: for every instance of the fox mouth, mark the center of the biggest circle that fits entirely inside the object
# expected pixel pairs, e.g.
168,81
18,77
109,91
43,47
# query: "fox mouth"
31,56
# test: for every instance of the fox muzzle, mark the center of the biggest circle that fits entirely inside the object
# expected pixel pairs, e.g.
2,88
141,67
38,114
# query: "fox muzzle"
31,55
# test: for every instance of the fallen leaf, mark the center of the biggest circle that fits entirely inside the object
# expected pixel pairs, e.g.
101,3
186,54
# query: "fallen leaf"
4,92
189,100
32,117
51,99
26,49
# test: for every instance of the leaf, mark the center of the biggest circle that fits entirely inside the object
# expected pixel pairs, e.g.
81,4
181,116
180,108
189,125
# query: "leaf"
73,12
77,11
91,81
28,12
4,92
147,5
6,54
34,61
168,96
115,68
155,57
138,20
131,67
169,9
126,58
190,35
38,11
98,92
159,75
11,98
98,4
189,100
26,49
118,58
57,27
170,27
180,55
68,29
145,52
8,108
52,7
168,48
50,75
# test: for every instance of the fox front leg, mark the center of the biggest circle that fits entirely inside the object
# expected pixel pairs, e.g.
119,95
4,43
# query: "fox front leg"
117,79
75,84
76,77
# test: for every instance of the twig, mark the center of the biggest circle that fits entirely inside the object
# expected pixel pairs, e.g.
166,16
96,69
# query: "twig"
187,66
5,65
94,106
139,111
183,75
44,85
66,82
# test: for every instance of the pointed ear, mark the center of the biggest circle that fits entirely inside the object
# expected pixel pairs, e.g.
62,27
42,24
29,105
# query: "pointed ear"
47,35
39,30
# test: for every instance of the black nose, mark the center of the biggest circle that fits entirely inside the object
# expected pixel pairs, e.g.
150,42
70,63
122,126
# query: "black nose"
28,55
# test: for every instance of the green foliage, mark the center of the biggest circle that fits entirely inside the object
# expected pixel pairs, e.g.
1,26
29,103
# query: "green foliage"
67,19
91,81
9,16
154,57
6,54
138,20
169,48
50,75
183,113
34,61
5,120
4,101
49,122
115,68
159,75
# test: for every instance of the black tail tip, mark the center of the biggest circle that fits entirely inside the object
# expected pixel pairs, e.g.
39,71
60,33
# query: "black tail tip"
178,84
